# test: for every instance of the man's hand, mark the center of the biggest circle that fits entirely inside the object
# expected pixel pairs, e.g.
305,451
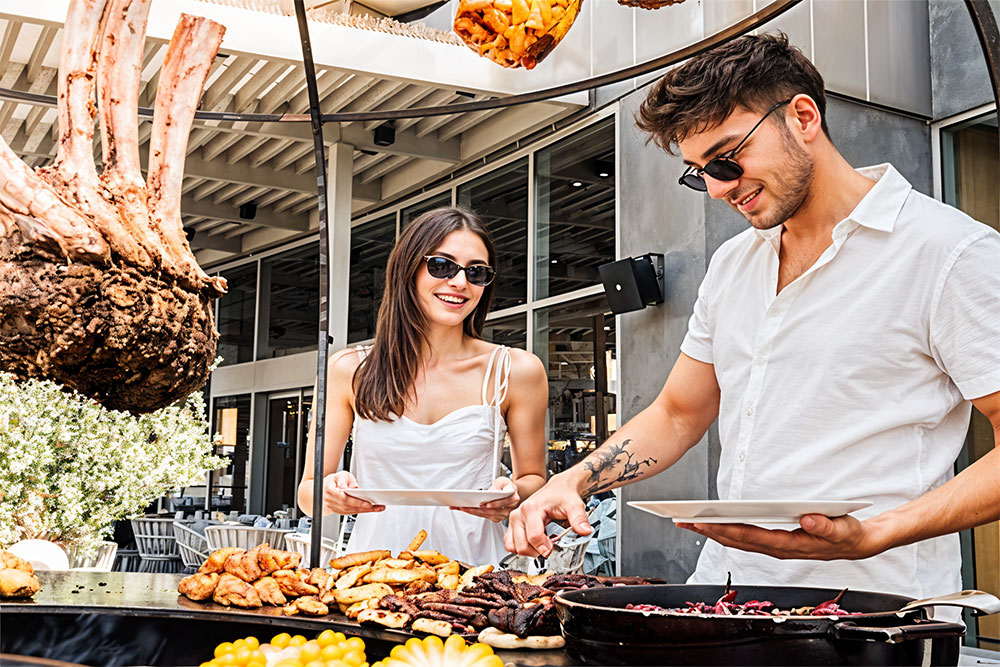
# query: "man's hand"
818,538
558,499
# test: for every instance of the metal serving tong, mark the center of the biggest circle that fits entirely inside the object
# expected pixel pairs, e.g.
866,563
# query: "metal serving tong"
980,602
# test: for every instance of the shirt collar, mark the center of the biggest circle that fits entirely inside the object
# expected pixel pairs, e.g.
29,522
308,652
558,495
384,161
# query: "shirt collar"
877,210
881,206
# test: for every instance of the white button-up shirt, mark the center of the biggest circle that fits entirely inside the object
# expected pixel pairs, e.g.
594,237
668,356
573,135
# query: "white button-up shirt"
854,382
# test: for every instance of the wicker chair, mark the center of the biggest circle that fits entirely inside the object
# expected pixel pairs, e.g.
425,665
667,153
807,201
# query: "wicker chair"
157,545
192,545
243,537
300,543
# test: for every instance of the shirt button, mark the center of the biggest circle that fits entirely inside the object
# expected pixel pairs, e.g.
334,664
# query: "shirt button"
743,457
760,361
749,412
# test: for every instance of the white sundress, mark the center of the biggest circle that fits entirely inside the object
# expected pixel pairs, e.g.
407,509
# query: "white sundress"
459,451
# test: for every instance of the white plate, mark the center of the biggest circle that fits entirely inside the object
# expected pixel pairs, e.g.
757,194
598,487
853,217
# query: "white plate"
446,497
746,511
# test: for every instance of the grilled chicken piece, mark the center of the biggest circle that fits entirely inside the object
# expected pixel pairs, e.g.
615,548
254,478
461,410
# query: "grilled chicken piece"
217,560
320,578
269,591
198,587
292,585
265,559
419,586
13,561
244,566
286,560
311,605
16,583
271,560
231,590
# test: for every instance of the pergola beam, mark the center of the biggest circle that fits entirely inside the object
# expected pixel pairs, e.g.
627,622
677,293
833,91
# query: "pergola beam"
263,218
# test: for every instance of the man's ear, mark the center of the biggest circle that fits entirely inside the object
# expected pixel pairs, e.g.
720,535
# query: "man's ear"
805,118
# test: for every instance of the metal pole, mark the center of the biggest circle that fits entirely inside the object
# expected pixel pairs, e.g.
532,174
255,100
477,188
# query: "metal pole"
989,39
319,400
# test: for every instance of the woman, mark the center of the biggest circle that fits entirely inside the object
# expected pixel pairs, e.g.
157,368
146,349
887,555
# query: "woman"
429,403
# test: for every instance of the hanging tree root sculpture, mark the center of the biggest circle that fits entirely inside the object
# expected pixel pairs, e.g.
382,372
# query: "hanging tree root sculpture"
99,289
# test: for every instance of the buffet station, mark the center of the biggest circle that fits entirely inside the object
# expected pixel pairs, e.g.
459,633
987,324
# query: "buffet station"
101,293
258,607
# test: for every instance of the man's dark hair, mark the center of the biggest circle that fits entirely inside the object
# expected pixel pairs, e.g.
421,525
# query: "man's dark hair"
753,71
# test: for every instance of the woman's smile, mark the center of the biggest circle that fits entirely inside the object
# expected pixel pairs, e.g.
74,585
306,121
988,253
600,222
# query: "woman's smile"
452,300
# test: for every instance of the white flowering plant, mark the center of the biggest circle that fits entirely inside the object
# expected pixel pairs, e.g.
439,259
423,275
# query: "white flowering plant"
70,468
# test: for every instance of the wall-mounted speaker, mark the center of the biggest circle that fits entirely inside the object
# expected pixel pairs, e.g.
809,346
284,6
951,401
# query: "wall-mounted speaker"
634,282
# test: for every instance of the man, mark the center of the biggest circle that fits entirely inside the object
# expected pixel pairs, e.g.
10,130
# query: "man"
839,341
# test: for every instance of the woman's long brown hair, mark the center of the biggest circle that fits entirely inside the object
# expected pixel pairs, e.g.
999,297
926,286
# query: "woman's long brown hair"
385,378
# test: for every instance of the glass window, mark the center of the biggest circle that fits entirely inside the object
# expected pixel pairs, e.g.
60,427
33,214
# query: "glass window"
501,198
231,420
574,210
371,244
411,213
236,315
283,463
970,166
576,342
290,282
510,331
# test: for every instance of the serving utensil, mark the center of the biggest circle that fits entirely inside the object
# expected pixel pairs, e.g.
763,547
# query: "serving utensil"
980,602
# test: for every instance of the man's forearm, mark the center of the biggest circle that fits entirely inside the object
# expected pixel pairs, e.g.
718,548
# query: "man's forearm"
648,444
970,499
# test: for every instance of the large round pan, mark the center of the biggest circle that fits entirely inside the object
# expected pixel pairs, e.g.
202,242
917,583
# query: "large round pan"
599,630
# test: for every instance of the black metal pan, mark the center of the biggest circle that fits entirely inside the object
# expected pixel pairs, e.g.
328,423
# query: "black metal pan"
600,630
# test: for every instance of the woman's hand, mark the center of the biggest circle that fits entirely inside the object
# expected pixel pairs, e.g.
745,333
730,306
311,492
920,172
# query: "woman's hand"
338,502
497,510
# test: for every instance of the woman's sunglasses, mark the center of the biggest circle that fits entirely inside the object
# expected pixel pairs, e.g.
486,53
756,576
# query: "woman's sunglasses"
724,167
444,268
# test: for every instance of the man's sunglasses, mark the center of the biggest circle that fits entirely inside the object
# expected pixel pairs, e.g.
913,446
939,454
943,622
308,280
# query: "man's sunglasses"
724,167
444,268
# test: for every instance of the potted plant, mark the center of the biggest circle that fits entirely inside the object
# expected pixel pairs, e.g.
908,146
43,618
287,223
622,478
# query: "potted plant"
69,467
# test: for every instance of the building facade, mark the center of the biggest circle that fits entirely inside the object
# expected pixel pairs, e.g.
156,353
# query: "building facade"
907,84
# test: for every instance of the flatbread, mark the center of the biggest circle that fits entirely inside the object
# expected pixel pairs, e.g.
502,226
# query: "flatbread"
498,639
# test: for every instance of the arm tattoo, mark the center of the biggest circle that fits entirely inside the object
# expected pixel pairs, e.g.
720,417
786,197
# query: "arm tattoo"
606,460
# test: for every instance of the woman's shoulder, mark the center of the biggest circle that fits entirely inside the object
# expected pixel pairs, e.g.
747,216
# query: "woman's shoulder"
526,366
343,363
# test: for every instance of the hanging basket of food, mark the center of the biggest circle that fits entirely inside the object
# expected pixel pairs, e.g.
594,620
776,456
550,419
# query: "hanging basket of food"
515,33
649,4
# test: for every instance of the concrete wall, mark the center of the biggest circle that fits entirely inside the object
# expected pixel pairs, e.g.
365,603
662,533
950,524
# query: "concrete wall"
959,78
659,216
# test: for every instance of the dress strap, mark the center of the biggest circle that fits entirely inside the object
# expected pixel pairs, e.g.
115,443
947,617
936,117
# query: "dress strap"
500,358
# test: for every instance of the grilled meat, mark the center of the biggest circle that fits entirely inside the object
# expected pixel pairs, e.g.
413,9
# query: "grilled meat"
198,587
